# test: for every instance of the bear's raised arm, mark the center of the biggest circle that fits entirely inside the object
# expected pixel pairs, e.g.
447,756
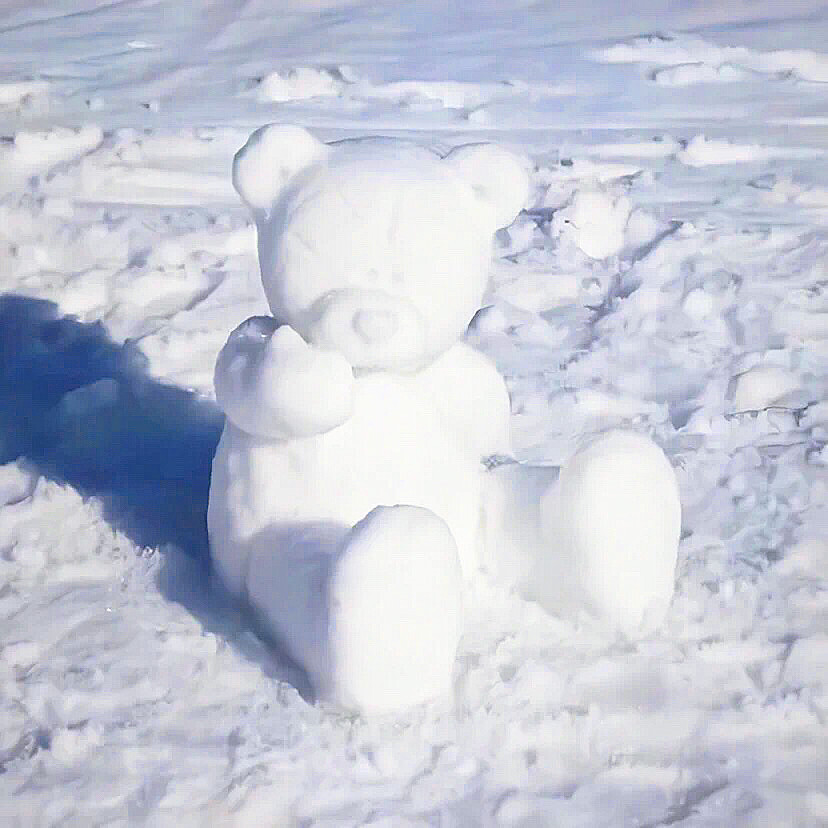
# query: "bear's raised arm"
271,383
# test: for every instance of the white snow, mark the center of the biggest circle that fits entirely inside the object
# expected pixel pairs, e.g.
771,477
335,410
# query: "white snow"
298,83
761,386
499,178
694,60
131,692
340,473
616,517
661,147
269,159
17,482
687,74
303,82
37,152
23,94
594,221
702,152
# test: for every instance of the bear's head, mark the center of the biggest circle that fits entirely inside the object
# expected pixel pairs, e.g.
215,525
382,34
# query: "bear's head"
376,248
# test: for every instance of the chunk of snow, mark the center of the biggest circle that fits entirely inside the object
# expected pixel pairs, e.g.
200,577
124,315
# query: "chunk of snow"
761,386
688,74
17,481
298,84
681,50
303,83
662,147
35,152
807,662
594,221
703,152
22,92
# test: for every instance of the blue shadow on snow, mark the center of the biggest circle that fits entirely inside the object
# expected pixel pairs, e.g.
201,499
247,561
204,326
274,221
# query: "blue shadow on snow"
83,410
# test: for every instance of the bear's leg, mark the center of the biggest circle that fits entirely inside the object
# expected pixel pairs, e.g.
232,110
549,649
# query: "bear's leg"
601,535
614,518
373,613
395,610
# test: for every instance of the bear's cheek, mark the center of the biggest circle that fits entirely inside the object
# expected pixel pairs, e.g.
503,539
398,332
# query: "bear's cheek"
302,271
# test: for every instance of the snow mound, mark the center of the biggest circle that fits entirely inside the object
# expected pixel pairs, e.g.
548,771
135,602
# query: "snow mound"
17,482
47,148
581,171
37,152
688,74
705,60
300,83
761,386
183,167
594,221
784,190
453,94
23,94
303,83
703,152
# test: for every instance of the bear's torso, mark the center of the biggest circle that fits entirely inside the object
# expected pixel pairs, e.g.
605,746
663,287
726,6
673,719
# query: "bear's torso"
418,440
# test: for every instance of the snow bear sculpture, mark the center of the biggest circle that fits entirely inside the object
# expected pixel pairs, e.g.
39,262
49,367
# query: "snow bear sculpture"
349,497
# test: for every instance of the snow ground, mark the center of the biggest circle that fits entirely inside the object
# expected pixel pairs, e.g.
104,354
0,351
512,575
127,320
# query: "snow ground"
130,693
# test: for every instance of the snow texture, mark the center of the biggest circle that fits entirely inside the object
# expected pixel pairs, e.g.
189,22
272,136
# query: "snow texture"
132,692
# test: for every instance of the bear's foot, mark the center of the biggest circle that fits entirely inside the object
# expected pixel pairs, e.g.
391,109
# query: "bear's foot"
394,610
613,520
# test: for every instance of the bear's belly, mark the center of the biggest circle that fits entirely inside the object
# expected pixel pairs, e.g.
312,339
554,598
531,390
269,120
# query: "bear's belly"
395,449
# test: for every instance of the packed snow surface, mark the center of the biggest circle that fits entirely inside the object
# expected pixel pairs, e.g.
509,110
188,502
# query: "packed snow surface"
132,692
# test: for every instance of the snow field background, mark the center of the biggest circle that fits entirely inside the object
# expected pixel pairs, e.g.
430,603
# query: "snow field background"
669,276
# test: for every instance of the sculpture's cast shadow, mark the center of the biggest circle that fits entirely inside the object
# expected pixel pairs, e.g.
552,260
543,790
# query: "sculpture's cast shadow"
83,410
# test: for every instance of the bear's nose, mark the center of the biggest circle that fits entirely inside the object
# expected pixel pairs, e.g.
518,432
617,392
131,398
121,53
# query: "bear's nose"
371,328
375,326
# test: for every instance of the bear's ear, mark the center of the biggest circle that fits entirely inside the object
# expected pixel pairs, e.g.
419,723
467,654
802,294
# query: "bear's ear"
499,178
272,155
